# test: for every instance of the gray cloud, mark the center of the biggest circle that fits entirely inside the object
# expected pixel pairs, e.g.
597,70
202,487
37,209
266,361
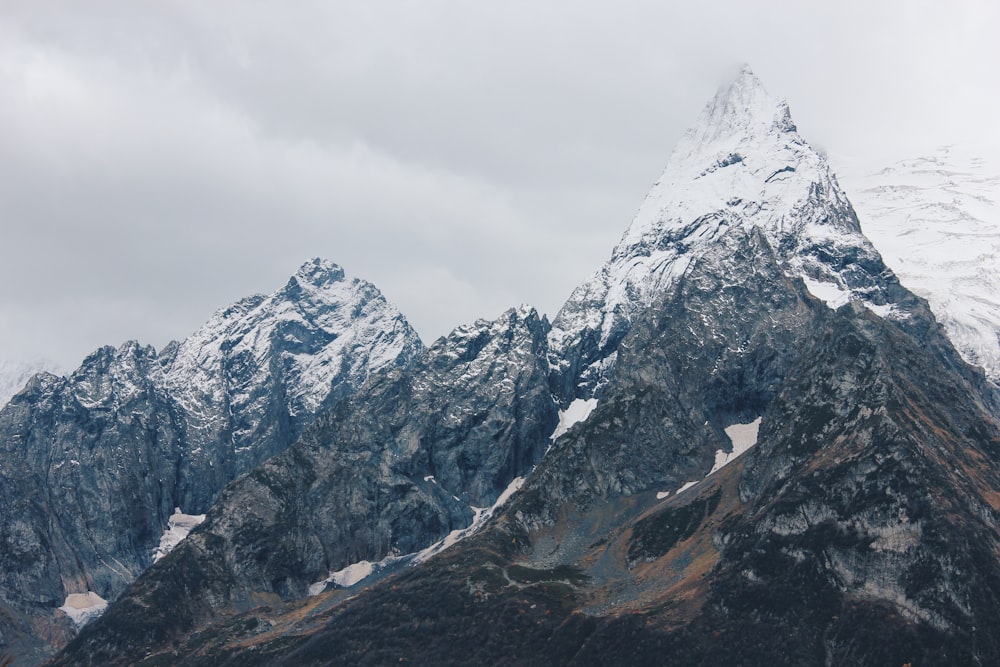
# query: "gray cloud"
161,160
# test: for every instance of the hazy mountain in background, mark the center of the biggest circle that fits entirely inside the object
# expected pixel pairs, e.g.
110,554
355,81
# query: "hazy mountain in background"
15,374
936,220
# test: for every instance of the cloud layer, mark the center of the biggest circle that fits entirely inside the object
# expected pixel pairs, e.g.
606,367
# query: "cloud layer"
161,160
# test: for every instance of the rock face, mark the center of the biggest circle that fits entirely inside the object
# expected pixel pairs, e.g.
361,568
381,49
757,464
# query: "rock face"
742,310
93,465
258,372
396,467
400,464
936,220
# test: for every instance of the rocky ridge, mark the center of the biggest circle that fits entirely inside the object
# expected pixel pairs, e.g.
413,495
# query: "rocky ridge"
414,455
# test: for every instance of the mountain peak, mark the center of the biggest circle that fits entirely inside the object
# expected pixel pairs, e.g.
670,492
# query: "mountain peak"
742,165
319,272
741,109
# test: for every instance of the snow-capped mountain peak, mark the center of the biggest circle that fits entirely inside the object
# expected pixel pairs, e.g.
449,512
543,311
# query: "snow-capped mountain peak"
321,330
319,272
741,109
742,165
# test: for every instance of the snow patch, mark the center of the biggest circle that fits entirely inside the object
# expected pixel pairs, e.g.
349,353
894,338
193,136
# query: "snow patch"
82,608
686,486
178,527
886,312
577,411
742,437
660,495
358,572
354,573
482,515
829,293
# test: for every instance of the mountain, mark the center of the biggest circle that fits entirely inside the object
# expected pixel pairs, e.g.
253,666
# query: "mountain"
15,374
416,455
936,221
859,528
741,441
93,465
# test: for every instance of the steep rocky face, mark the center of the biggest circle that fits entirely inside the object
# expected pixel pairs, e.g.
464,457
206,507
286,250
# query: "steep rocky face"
412,456
712,352
742,165
93,465
873,489
86,469
936,221
399,465
258,372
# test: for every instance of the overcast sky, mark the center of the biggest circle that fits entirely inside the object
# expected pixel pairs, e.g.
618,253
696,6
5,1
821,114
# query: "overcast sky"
161,159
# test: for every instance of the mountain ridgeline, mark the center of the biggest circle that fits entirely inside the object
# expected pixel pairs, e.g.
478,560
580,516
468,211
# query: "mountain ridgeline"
741,441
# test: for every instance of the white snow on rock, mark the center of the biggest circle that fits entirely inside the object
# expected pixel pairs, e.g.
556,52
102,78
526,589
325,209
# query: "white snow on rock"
685,487
577,411
742,437
82,608
660,495
355,573
178,527
322,329
936,221
349,576
830,293
352,574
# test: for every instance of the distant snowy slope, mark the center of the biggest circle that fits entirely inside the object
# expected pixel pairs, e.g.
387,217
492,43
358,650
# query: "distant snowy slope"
936,221
15,374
